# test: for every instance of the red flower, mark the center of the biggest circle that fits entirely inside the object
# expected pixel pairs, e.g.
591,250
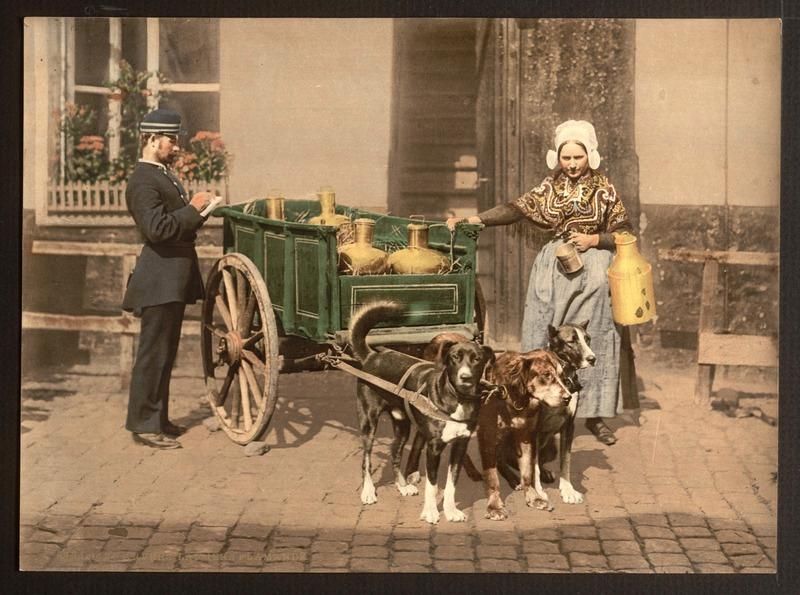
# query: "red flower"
91,143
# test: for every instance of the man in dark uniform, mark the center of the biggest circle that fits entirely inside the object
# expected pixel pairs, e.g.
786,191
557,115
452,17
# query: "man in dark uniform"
166,276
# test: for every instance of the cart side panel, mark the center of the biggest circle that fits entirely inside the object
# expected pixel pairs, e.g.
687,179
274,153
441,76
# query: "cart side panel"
428,299
314,266
274,257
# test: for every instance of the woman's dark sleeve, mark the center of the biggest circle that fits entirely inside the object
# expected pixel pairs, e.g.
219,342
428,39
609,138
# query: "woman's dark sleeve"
606,240
617,219
501,215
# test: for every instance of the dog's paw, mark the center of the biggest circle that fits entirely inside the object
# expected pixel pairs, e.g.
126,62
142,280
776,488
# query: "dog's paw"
519,487
407,490
413,478
429,515
368,495
496,514
455,429
454,515
569,494
538,500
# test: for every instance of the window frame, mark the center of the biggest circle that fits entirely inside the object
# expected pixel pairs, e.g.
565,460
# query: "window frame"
70,88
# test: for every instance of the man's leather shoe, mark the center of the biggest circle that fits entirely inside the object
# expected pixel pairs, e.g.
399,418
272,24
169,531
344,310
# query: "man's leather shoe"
171,429
156,441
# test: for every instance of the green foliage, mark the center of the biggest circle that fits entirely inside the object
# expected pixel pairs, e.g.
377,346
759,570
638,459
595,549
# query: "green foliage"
87,158
205,158
132,92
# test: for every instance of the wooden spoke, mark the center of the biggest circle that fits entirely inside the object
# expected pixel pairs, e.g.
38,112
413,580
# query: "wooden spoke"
250,341
241,298
252,358
253,384
245,394
226,386
223,310
236,402
218,332
230,293
246,321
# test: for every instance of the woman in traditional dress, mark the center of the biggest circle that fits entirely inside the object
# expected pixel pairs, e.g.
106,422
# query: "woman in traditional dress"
578,205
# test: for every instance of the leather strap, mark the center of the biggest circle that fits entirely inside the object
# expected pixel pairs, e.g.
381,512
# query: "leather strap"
402,385
417,399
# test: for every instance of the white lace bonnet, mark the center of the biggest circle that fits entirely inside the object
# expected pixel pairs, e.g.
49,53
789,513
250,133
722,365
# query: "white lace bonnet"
575,130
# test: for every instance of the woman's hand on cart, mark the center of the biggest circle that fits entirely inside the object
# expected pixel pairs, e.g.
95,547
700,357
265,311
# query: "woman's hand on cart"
452,222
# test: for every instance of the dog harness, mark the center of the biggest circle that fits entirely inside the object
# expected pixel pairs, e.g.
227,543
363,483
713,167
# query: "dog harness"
420,401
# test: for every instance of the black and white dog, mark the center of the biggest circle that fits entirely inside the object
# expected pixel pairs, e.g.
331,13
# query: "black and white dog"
452,387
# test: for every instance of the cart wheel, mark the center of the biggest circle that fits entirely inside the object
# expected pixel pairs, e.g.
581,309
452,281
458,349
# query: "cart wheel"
239,343
480,311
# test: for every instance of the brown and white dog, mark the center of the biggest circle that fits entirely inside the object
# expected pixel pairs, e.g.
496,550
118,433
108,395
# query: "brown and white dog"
571,345
529,379
451,386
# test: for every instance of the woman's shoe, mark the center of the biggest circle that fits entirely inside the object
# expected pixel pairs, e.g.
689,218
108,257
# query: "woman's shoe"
601,431
172,430
153,440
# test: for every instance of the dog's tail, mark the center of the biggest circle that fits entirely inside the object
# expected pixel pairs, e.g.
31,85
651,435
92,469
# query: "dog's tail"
365,319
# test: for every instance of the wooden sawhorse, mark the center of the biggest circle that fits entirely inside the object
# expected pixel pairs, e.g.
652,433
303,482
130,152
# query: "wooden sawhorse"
723,349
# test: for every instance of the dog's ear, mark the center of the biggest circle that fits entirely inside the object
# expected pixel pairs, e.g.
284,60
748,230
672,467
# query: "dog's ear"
584,325
444,349
510,373
488,354
551,330
526,373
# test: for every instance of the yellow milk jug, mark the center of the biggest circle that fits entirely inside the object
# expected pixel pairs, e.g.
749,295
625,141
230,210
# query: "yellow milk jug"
630,278
361,257
327,204
418,258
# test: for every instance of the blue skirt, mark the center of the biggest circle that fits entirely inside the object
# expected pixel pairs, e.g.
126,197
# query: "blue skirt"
555,297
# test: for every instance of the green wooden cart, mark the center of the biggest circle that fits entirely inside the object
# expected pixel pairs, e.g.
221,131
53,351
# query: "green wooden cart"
275,302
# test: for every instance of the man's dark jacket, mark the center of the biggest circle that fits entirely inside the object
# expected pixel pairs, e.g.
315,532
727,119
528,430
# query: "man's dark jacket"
167,269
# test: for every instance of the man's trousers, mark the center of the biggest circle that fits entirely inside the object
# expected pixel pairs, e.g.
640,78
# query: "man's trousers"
148,402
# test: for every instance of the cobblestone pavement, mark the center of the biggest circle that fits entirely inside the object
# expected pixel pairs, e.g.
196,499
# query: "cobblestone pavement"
683,491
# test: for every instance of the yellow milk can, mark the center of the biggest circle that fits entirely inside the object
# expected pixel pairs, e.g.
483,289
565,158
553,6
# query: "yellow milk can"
418,259
630,278
274,205
327,207
361,257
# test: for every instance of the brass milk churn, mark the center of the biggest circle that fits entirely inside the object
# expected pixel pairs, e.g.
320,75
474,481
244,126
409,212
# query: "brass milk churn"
418,258
630,278
274,205
327,204
361,257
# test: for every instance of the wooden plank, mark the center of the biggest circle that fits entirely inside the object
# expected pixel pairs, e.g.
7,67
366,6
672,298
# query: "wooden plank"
99,324
461,131
436,182
448,83
705,373
737,350
705,379
417,154
106,249
708,292
441,105
731,257
438,61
